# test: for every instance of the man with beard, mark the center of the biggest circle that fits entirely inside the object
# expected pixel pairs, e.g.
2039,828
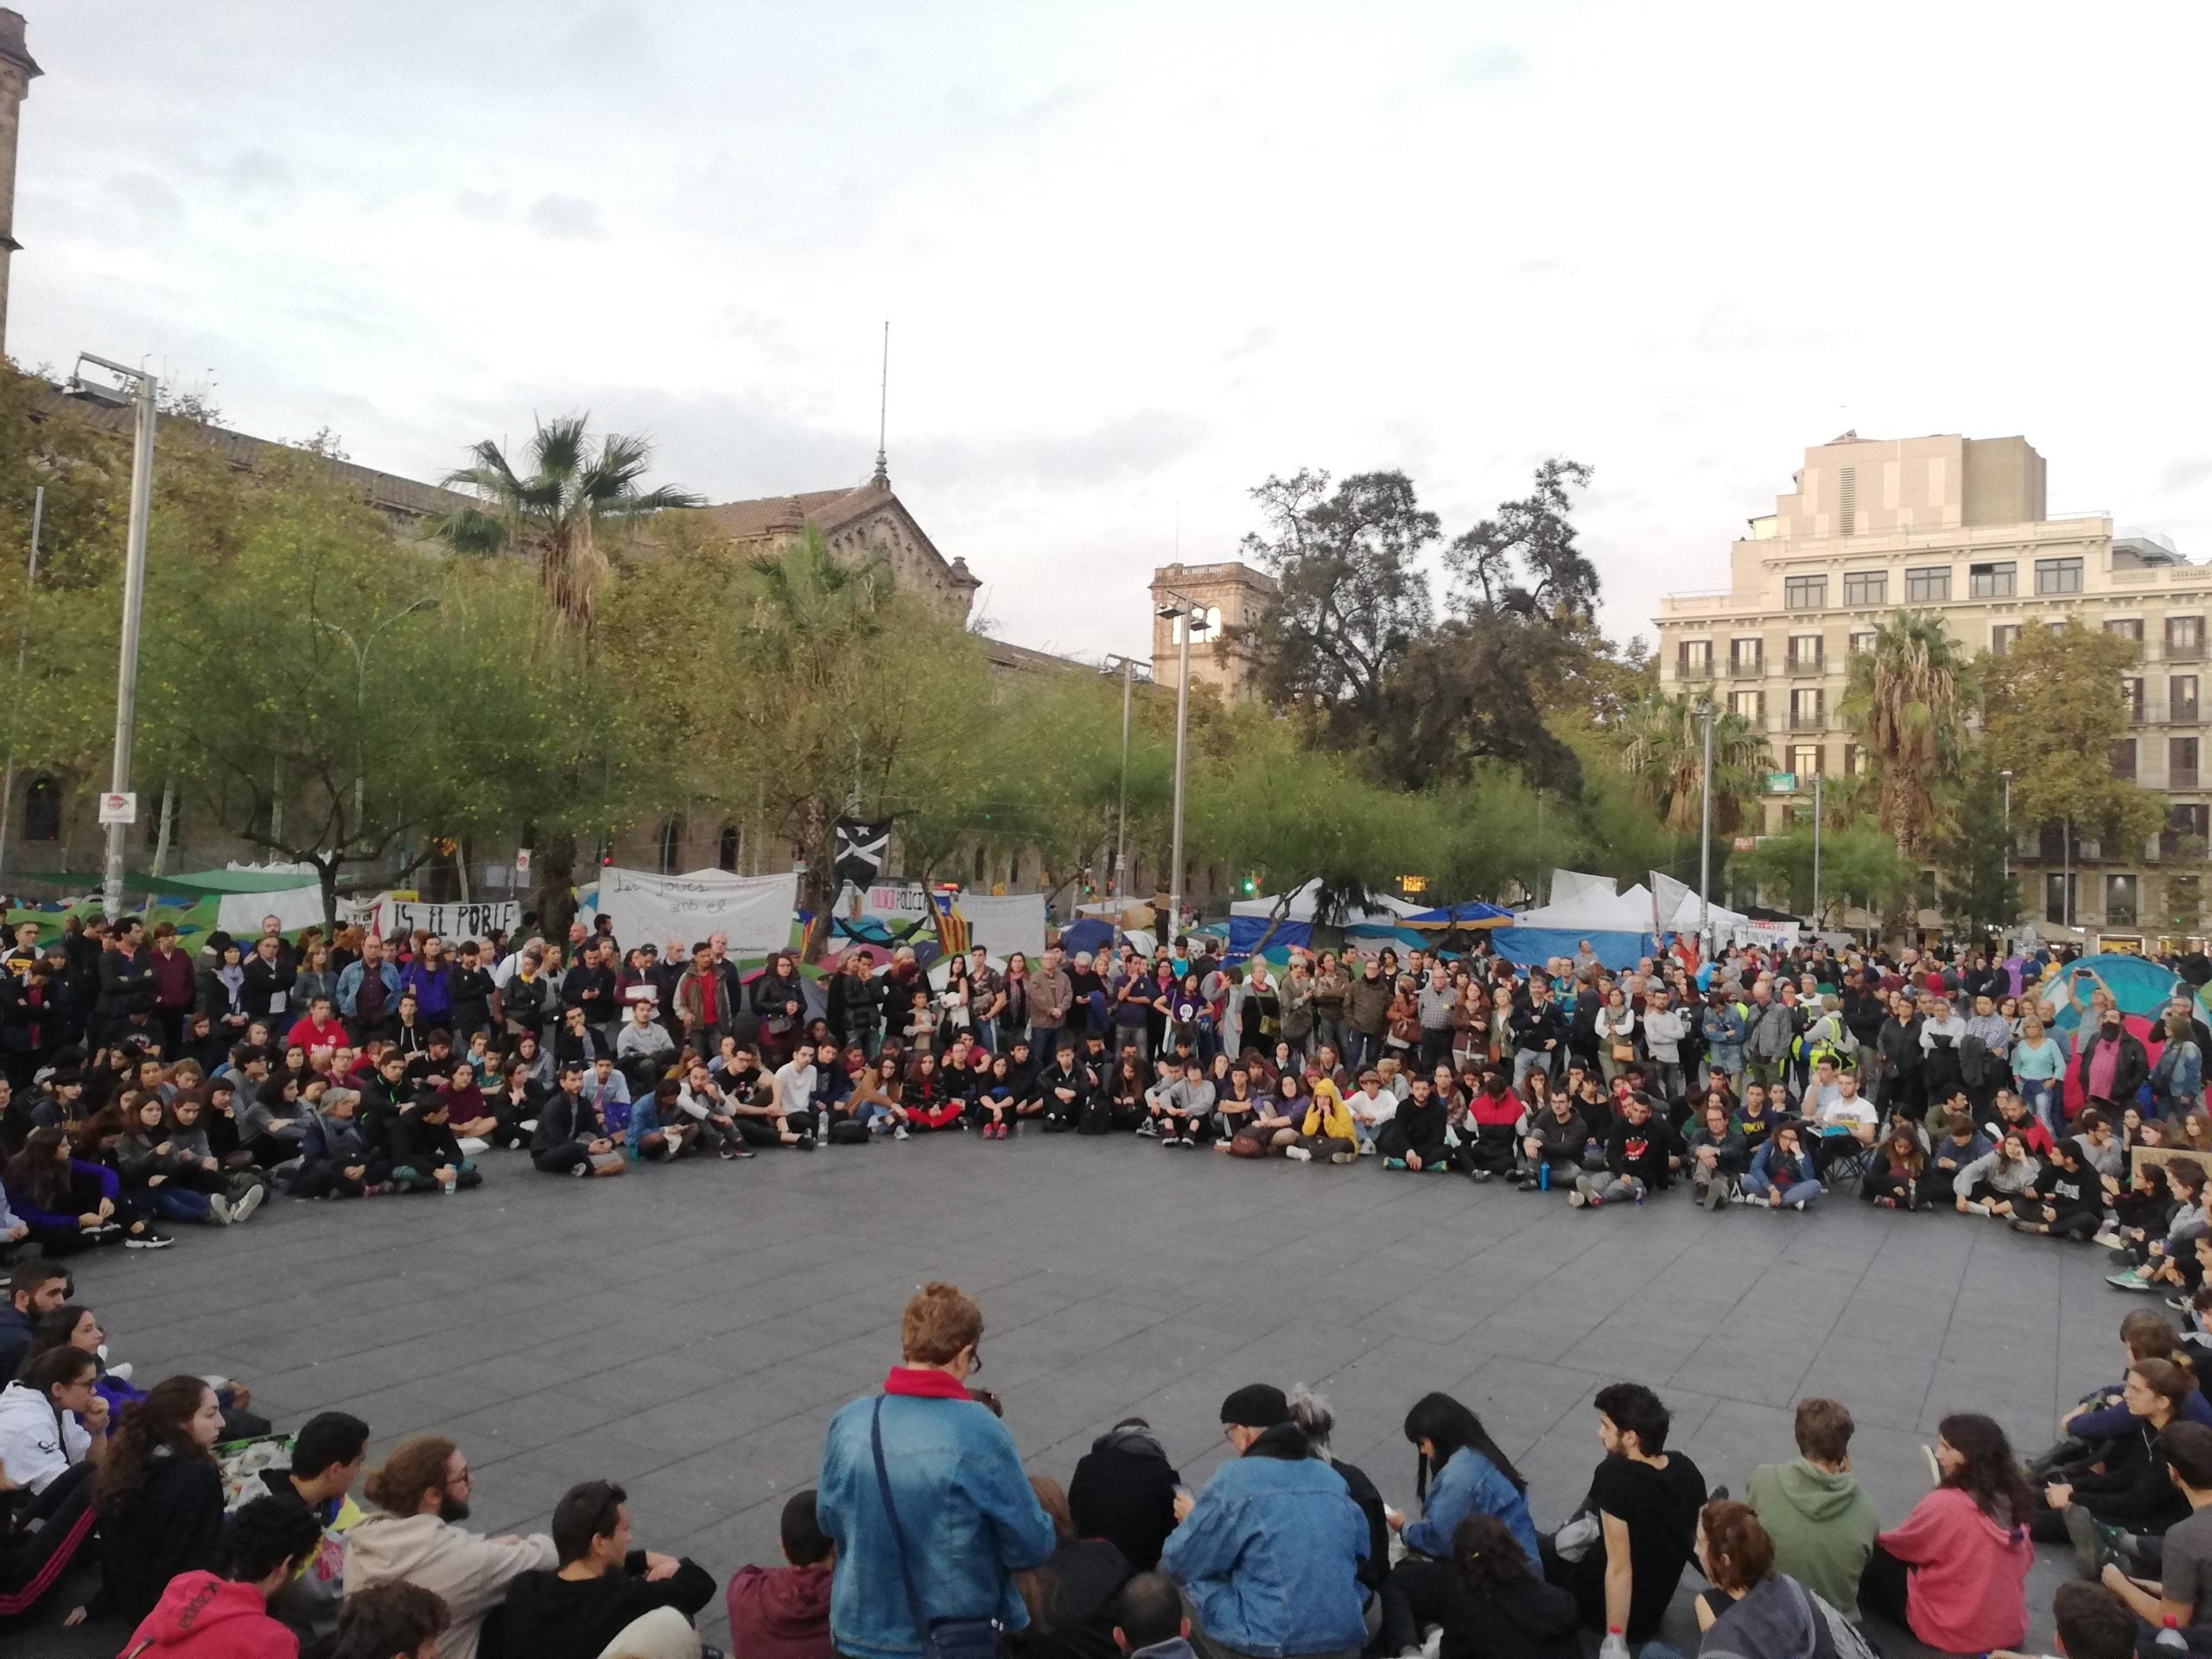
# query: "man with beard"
415,1537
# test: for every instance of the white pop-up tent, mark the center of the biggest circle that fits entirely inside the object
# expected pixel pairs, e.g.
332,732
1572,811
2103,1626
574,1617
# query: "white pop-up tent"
1618,925
1249,918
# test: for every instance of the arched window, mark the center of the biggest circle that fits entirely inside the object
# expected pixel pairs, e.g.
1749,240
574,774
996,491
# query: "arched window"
672,843
726,849
983,865
42,810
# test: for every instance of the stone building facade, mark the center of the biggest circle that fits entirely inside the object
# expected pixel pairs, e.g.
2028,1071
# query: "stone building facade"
1231,598
1961,527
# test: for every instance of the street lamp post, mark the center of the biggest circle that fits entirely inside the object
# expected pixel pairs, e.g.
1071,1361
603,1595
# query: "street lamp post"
1128,665
2007,776
1703,709
360,650
1816,852
1192,616
145,389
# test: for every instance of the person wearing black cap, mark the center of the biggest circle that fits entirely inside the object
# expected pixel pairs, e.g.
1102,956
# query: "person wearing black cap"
1269,1554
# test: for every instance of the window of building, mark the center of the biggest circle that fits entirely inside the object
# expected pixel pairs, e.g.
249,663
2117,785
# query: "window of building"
1862,641
1924,890
2184,902
2125,627
1807,707
42,810
1805,592
2184,835
2003,636
982,866
1991,581
2058,898
2058,576
1746,656
2120,902
2130,693
1749,705
728,847
1805,653
1866,586
2181,698
1805,761
2123,757
1847,505
1929,583
2050,843
2184,638
1205,624
1854,760
2181,763
669,845
1693,659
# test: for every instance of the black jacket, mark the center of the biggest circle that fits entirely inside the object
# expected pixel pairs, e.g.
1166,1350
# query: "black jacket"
1526,1619
1533,1027
16,1327
123,978
2132,1072
1641,1149
264,982
1086,1574
563,1118
548,1617
175,1526
1124,1492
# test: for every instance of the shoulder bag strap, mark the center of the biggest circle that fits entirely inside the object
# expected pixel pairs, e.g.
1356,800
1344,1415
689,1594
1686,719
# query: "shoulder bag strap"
891,1510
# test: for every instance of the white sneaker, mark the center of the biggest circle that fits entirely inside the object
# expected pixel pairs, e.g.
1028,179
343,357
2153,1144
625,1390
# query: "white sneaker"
898,1134
220,1207
1577,1198
246,1205
1975,1209
1367,1148
2108,1240
1297,1154
1149,1129
120,1373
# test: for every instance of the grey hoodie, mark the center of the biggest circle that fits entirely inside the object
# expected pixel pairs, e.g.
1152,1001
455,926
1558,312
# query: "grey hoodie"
1777,1618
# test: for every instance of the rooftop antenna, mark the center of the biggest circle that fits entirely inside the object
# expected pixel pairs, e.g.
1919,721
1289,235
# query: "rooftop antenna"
883,416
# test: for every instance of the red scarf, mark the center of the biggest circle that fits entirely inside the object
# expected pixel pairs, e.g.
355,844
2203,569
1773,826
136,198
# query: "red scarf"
929,1385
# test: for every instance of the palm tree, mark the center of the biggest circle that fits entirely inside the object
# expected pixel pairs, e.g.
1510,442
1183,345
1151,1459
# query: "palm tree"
1663,747
575,492
1907,700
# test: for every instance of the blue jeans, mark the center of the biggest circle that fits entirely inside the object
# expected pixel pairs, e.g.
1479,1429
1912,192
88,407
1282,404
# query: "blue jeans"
1529,1059
2041,1094
173,1203
985,1034
1756,1186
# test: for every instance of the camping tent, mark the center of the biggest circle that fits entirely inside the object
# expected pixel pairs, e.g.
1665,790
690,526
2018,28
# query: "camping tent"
1618,925
1249,919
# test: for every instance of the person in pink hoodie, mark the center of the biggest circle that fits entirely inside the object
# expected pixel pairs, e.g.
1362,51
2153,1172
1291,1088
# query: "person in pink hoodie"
1955,1573
783,1612
202,1615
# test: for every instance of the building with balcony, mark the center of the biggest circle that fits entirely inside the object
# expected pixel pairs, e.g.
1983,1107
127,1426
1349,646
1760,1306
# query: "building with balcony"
1960,527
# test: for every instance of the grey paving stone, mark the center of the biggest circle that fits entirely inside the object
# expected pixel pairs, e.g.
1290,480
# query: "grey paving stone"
688,1332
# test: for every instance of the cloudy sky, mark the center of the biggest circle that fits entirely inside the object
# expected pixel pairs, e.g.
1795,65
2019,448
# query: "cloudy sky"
1138,256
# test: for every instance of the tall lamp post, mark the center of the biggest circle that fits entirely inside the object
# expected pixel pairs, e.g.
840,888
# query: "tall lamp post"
144,390
1816,852
360,650
1128,667
1193,618
1703,709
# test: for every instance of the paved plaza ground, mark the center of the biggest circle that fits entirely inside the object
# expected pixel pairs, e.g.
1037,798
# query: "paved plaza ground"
688,1332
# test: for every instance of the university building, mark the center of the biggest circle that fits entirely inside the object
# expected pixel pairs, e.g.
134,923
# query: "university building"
1960,527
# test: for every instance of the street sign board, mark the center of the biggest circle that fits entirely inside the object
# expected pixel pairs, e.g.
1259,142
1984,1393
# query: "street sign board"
120,809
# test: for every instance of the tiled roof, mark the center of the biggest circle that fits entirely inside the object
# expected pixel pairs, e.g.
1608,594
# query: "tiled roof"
756,520
385,491
1003,653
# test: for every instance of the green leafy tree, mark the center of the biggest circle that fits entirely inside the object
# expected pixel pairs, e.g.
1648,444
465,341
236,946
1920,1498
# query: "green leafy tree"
1907,700
1859,864
1661,744
1979,891
2052,711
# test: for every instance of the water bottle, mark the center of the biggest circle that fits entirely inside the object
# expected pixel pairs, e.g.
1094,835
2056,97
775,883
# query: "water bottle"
1544,1176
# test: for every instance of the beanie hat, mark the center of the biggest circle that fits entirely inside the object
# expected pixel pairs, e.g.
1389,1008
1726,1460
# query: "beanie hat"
1257,1405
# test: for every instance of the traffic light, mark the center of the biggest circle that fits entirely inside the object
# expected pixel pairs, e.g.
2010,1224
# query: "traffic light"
1248,885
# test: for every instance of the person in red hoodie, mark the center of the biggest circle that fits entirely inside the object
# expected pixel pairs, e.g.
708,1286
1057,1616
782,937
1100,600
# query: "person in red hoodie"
202,1615
783,1612
319,1029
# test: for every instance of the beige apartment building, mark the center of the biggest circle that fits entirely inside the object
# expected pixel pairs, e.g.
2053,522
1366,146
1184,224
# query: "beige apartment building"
1961,527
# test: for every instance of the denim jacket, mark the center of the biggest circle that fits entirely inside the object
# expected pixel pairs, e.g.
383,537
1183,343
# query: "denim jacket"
349,987
966,1511
1271,1552
1469,1484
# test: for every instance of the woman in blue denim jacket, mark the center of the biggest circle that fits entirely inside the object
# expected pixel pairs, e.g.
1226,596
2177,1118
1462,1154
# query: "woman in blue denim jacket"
1724,1034
1462,1472
966,1519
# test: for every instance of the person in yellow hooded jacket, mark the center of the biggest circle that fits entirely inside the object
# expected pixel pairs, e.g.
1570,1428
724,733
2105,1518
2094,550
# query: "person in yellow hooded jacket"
1327,1131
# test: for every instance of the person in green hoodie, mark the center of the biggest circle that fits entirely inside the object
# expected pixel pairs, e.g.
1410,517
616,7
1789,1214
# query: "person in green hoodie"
1822,1525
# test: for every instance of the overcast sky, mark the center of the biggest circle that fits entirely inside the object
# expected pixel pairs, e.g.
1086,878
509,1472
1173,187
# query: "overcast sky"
1137,257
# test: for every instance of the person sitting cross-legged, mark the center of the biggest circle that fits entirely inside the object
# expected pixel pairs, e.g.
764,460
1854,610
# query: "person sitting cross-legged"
604,1598
1642,1152
1414,1138
1822,1525
570,1138
425,1156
